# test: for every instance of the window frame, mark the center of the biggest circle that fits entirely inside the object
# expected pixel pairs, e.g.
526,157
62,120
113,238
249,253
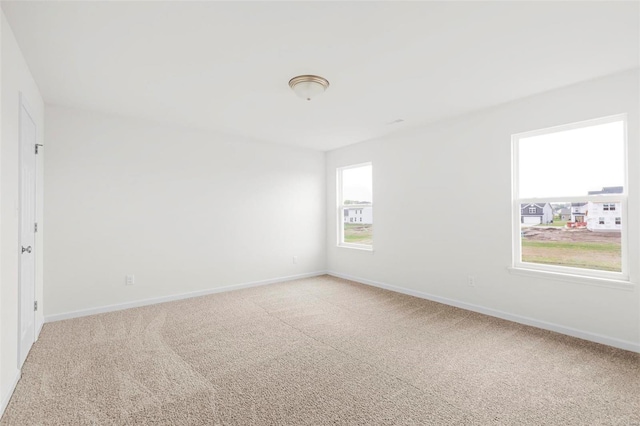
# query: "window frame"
341,207
517,263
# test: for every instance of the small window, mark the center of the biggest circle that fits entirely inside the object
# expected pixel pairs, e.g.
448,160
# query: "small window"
587,179
355,192
532,210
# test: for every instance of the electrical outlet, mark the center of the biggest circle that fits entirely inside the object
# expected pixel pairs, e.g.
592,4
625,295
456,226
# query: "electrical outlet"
295,259
472,281
130,280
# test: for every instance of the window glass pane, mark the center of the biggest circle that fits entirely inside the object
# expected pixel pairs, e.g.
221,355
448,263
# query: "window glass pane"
356,185
357,220
572,162
578,235
358,228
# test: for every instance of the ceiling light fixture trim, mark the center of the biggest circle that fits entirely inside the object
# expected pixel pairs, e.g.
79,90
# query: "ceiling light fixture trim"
308,86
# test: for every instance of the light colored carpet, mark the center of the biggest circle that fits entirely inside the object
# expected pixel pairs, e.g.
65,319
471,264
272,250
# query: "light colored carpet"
315,352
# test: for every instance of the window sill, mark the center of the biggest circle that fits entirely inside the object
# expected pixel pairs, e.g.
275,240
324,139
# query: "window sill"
356,247
580,279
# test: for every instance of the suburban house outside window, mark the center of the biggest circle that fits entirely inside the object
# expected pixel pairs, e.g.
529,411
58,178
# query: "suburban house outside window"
355,206
570,199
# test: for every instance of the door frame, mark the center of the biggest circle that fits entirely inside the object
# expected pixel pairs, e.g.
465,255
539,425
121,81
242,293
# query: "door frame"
26,108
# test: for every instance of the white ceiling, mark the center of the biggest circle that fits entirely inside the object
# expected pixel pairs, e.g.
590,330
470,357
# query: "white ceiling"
224,66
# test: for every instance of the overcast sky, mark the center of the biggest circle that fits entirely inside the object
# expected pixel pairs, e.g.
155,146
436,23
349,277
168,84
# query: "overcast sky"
573,162
356,183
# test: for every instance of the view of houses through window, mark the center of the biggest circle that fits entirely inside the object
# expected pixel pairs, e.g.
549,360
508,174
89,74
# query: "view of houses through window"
355,205
571,194
578,234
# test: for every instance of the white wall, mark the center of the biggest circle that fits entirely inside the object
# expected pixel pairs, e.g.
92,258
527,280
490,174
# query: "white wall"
16,78
457,176
182,210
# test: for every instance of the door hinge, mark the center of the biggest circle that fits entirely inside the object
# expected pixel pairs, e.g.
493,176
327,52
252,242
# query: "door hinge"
35,305
38,145
35,228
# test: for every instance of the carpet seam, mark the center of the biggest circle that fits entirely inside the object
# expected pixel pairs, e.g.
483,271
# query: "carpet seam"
461,410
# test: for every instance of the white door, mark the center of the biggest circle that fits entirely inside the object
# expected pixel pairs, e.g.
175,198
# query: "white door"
26,249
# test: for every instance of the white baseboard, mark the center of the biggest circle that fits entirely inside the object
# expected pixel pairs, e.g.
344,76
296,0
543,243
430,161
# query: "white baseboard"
155,300
39,325
6,398
593,337
4,401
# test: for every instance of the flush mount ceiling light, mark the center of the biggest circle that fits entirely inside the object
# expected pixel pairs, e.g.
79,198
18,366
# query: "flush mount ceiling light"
308,86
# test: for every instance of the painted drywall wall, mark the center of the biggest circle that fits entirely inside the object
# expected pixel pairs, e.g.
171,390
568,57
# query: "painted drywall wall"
451,184
16,78
183,211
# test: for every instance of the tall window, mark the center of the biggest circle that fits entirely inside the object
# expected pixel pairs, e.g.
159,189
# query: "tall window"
581,167
355,190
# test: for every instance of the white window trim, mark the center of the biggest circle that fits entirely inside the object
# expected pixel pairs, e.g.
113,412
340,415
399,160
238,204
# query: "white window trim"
570,278
341,207
564,271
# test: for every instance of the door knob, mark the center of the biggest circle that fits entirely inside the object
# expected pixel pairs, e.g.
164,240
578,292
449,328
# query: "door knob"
28,249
